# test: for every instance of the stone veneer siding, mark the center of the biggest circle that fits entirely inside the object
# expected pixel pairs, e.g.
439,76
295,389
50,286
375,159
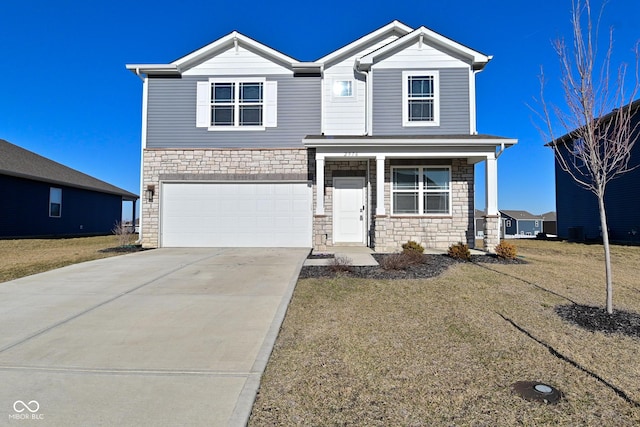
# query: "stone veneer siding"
438,232
214,164
491,237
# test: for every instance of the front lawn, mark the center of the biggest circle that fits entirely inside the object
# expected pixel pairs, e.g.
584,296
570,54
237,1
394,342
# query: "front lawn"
23,257
445,351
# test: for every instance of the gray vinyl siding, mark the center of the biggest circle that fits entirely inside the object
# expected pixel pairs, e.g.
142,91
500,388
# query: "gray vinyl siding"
171,116
454,104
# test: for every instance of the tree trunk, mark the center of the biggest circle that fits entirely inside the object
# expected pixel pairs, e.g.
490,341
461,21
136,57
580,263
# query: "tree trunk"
607,253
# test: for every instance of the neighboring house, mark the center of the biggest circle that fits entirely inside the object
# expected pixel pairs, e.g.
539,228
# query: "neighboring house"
520,223
373,144
577,208
42,198
549,223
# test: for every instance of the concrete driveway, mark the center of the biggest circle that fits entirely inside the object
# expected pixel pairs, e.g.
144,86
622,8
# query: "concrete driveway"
158,338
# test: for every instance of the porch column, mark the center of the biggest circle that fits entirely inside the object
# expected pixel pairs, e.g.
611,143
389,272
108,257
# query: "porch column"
380,185
319,184
492,218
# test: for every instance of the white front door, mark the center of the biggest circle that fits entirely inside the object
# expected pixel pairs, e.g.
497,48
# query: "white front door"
348,210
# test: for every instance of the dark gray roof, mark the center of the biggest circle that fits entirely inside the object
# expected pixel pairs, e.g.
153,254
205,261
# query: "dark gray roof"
21,163
549,216
520,214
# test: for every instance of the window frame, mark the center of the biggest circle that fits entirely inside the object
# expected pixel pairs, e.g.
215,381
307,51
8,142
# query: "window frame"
422,191
237,103
343,98
51,202
406,75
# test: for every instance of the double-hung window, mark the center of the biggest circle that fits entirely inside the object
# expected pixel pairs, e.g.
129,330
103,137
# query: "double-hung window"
422,190
421,98
236,104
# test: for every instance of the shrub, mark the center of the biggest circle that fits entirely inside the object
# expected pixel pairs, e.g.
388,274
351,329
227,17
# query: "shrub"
412,246
124,234
340,264
506,250
459,251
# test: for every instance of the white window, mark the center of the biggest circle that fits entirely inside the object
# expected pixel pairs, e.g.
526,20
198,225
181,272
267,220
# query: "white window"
537,224
424,190
342,89
420,98
236,104
55,202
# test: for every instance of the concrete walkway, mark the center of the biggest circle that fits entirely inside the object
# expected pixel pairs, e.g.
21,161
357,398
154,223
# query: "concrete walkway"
159,338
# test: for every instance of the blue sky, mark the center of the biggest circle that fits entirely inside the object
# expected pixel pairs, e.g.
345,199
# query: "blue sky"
65,93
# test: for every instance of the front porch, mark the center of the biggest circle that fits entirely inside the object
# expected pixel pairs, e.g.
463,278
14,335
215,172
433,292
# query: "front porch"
355,207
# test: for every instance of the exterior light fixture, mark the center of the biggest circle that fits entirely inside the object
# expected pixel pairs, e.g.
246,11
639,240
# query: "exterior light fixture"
151,190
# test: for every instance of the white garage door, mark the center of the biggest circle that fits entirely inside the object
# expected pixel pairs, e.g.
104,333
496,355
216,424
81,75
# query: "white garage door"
236,214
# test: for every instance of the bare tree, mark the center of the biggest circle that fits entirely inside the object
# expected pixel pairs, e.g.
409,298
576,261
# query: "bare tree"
597,117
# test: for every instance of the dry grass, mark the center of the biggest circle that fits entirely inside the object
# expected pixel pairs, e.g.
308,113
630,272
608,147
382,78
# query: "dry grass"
440,352
19,258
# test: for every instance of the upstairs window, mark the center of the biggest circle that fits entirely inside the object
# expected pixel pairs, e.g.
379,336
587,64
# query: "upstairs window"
236,104
420,98
342,89
55,202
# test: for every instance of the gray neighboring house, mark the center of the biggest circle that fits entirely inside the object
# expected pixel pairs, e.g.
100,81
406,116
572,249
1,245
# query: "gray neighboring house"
520,223
373,144
43,198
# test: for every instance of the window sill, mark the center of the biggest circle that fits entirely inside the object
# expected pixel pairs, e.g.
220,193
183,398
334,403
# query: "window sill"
409,216
236,128
420,124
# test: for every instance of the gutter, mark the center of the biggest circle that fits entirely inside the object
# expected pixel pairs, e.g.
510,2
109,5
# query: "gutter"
367,95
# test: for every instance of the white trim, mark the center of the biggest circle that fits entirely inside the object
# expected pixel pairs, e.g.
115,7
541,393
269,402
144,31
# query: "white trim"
357,44
491,184
380,209
319,185
204,104
472,103
421,190
477,59
334,214
143,138
435,74
194,58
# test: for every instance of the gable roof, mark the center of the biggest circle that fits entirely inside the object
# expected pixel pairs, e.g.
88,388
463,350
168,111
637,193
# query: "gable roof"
21,163
356,45
549,216
478,60
520,214
198,56
568,137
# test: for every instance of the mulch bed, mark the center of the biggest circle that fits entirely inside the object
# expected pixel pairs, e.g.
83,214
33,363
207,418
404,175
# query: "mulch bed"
432,266
124,249
596,319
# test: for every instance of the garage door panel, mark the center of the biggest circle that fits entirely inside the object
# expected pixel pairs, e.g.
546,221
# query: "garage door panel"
236,214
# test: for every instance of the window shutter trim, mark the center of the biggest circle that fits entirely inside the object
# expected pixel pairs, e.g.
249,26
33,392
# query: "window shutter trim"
271,104
203,104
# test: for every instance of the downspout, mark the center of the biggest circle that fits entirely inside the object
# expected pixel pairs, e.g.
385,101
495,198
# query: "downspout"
143,146
367,95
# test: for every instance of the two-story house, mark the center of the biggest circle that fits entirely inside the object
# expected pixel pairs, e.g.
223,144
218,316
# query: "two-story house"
373,144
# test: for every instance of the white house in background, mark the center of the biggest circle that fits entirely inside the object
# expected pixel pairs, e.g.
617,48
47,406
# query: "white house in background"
373,144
